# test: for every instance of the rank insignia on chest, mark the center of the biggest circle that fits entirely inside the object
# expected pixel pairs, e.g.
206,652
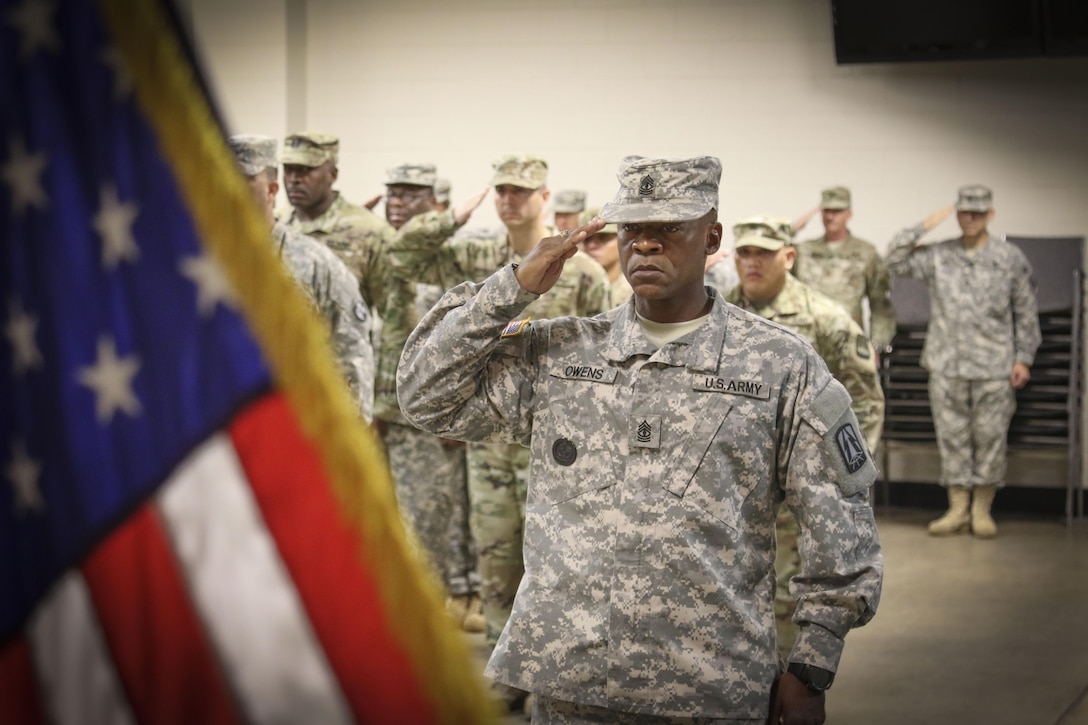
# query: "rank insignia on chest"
645,431
515,328
564,452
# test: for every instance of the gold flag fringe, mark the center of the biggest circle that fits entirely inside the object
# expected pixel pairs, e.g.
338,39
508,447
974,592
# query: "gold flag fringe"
233,230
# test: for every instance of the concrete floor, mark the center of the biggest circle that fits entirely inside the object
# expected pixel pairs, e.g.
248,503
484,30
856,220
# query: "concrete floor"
969,632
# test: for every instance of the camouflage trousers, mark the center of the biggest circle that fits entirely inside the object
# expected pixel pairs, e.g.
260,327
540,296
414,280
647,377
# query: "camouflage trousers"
432,494
971,418
497,484
549,711
787,563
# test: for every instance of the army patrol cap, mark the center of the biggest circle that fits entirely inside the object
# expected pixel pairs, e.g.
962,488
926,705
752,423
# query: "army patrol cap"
664,190
587,216
310,149
442,191
253,153
522,170
766,232
412,174
570,201
975,197
837,197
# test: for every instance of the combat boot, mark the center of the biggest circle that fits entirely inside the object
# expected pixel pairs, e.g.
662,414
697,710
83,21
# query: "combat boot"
957,520
474,616
982,524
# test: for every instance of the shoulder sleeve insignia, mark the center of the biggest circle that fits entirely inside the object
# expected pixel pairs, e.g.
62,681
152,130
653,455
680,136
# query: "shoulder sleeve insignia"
361,312
850,447
515,328
864,351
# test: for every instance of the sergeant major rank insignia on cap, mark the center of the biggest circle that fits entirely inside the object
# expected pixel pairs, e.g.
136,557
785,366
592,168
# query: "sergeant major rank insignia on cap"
515,327
646,185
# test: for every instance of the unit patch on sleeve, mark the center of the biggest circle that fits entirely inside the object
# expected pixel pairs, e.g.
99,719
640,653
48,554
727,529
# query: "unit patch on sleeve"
864,351
850,447
515,327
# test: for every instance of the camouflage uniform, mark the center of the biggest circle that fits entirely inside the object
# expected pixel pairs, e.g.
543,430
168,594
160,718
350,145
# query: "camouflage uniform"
331,288
722,275
983,319
496,473
654,482
847,273
841,344
327,283
429,474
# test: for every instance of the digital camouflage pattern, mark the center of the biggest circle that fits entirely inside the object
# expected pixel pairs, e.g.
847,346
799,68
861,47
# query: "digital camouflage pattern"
332,290
841,344
424,251
310,149
653,488
849,273
412,174
838,340
569,201
837,197
974,197
971,419
664,189
983,311
253,153
762,231
722,275
523,170
358,236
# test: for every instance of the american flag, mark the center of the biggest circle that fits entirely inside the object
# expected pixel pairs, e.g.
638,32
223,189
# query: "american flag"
194,527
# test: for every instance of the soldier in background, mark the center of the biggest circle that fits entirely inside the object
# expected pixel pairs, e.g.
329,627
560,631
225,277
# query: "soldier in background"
497,472
327,282
981,341
603,247
764,256
355,233
663,436
847,269
721,271
428,471
569,206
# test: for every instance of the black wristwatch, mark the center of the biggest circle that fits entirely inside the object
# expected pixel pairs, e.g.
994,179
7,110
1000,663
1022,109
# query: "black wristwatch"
814,678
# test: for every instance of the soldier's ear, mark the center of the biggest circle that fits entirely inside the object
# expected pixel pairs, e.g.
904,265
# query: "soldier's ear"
790,256
713,238
990,215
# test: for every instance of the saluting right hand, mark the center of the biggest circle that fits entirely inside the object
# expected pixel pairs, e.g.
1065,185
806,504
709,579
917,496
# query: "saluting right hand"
464,210
544,263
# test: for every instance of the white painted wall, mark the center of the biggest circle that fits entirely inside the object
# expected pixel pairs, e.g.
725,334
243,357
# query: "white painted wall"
586,82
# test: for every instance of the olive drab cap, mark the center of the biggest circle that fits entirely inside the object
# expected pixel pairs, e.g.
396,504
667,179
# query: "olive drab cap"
765,232
253,153
837,197
442,191
569,201
975,197
664,190
412,174
522,170
310,149
587,216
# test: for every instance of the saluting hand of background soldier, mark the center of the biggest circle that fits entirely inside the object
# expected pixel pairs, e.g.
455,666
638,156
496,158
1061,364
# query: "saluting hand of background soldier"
542,266
464,210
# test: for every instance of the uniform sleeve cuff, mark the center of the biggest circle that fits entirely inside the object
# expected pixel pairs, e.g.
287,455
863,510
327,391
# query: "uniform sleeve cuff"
817,646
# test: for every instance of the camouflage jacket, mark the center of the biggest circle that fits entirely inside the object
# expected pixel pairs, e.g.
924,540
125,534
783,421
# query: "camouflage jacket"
722,275
848,273
654,483
983,311
358,236
838,340
424,253
332,290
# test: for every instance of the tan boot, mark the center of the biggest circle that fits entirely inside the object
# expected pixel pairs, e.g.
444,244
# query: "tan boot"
982,524
474,616
457,608
956,520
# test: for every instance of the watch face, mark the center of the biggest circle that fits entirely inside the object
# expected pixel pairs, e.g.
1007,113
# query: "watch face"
815,678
